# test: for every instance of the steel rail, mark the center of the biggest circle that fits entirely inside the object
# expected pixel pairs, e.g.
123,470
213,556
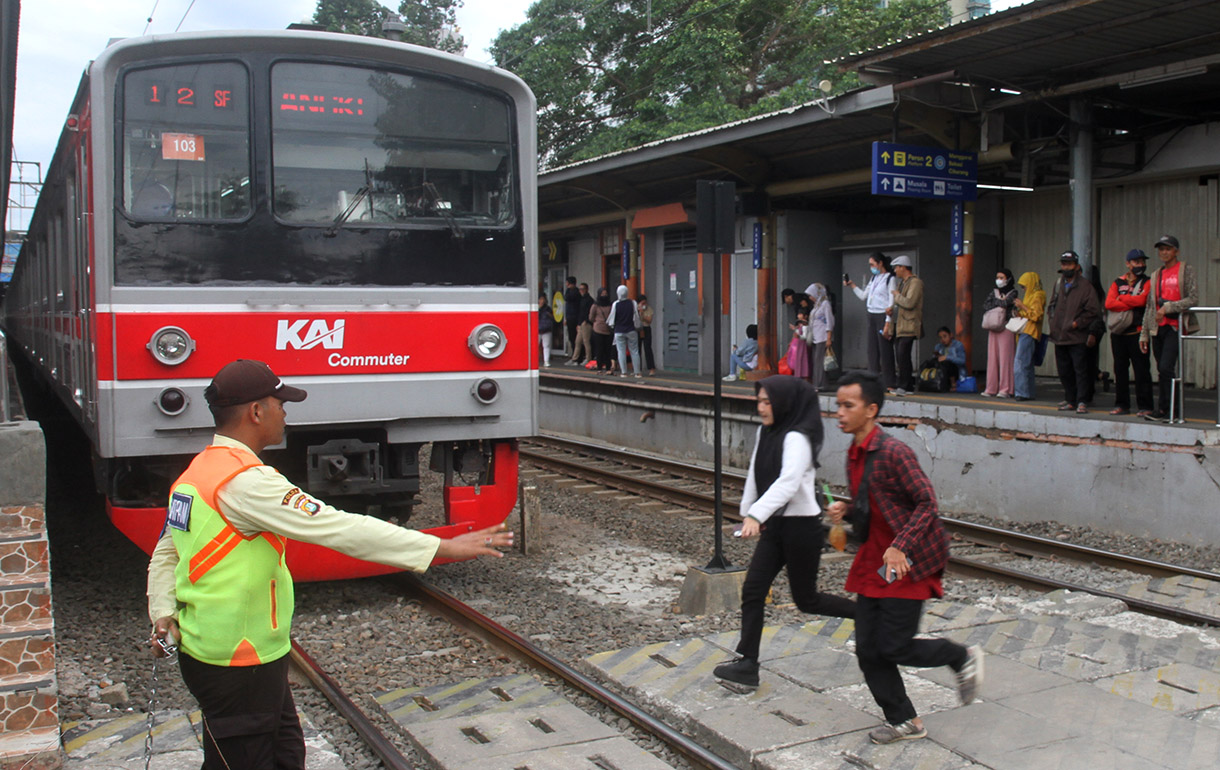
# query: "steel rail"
377,741
466,616
963,565
1018,543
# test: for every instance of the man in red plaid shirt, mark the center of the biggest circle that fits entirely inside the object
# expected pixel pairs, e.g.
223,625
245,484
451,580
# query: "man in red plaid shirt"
898,566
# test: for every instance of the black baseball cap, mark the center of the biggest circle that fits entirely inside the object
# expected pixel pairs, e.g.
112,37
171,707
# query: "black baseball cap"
1135,254
1069,256
244,380
1168,240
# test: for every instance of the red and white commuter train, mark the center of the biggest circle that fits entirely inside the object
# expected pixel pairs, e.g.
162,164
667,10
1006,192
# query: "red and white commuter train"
358,213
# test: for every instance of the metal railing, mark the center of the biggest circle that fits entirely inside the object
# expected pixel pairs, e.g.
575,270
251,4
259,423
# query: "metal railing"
1176,387
4,415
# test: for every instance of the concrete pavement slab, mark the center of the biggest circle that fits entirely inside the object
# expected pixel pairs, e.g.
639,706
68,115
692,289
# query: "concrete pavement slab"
781,641
941,616
1159,736
740,732
471,696
1178,687
819,671
854,751
1004,678
1075,754
462,741
927,696
618,753
986,732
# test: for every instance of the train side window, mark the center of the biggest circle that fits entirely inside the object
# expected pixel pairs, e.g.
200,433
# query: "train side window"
185,132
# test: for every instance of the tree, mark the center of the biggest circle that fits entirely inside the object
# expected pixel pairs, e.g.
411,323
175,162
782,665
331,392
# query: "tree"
609,76
430,23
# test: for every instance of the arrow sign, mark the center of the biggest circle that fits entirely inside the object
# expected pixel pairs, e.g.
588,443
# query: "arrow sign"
924,172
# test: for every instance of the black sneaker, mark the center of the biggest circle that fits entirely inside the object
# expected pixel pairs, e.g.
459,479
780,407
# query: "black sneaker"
743,671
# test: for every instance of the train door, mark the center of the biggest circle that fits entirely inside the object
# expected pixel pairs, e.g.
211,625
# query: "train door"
680,276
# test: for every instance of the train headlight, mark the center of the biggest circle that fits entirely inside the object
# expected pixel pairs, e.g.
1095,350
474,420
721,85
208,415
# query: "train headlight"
487,341
172,402
171,345
486,390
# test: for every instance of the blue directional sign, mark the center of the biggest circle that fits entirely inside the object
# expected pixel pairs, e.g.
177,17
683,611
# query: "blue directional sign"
957,229
911,171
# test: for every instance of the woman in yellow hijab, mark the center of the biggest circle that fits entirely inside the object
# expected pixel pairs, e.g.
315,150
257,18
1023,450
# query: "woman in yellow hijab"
1032,308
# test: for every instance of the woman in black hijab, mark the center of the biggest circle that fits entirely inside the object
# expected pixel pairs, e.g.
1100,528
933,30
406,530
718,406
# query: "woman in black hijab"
780,504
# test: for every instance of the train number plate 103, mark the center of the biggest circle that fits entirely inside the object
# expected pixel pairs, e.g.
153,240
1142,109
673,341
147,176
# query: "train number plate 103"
181,147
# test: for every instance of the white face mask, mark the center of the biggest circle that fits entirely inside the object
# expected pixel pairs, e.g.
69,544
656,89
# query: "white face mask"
1000,283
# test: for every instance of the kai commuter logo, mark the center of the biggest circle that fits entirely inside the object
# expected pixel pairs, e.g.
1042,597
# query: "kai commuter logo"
305,334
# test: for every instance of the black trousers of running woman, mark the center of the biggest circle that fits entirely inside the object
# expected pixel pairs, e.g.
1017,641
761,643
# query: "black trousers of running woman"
795,542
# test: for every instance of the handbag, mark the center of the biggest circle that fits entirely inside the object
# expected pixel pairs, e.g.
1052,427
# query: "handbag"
830,363
1015,324
858,512
1119,322
995,318
782,367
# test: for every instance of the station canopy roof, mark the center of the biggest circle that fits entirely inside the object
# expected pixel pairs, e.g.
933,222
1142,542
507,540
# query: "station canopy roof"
1001,84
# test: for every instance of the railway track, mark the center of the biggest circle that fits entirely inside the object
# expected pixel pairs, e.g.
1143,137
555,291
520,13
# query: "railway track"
502,639
690,485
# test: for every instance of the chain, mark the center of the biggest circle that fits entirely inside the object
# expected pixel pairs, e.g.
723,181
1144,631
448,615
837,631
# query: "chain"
171,656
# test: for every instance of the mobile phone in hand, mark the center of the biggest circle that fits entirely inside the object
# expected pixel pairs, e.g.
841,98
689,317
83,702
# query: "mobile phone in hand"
846,278
887,573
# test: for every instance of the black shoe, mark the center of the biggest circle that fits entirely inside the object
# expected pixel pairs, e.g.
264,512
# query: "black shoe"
1157,416
743,671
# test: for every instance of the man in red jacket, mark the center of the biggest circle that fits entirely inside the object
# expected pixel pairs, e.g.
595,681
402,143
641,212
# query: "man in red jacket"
898,566
1126,300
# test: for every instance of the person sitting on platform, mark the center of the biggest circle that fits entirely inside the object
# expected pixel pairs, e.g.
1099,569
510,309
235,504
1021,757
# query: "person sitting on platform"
950,354
744,356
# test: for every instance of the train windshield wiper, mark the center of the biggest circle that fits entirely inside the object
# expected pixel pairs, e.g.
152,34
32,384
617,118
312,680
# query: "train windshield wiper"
365,190
444,208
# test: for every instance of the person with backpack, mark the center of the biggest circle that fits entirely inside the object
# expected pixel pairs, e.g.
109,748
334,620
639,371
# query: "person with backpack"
624,320
546,327
1125,303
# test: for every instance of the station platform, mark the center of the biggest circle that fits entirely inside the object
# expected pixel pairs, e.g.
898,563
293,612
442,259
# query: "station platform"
1023,461
1059,693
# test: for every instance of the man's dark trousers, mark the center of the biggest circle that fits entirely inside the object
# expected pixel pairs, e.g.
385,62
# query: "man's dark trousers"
1074,373
1127,356
249,718
1165,348
885,640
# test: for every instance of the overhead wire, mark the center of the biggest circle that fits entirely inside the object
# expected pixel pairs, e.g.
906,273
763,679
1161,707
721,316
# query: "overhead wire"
148,22
184,13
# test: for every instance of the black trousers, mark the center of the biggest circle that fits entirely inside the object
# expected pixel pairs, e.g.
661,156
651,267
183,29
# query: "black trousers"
249,718
906,377
1165,348
603,346
1074,373
1127,356
572,323
646,348
885,640
796,542
880,350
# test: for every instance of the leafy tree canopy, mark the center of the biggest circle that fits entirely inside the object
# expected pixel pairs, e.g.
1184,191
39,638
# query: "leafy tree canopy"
614,74
430,23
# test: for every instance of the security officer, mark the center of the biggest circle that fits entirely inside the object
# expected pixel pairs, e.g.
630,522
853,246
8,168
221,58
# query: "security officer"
218,581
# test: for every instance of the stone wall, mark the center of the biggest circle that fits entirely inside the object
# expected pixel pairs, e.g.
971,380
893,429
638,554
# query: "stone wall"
29,713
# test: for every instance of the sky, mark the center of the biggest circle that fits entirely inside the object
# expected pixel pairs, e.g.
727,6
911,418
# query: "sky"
59,37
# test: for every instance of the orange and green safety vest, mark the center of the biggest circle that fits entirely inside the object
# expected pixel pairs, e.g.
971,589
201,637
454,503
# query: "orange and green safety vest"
235,591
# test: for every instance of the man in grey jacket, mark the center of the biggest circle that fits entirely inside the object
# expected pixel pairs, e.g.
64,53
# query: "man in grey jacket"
1074,309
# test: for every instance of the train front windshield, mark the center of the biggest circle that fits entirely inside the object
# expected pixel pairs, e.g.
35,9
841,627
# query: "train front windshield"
357,145
341,175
